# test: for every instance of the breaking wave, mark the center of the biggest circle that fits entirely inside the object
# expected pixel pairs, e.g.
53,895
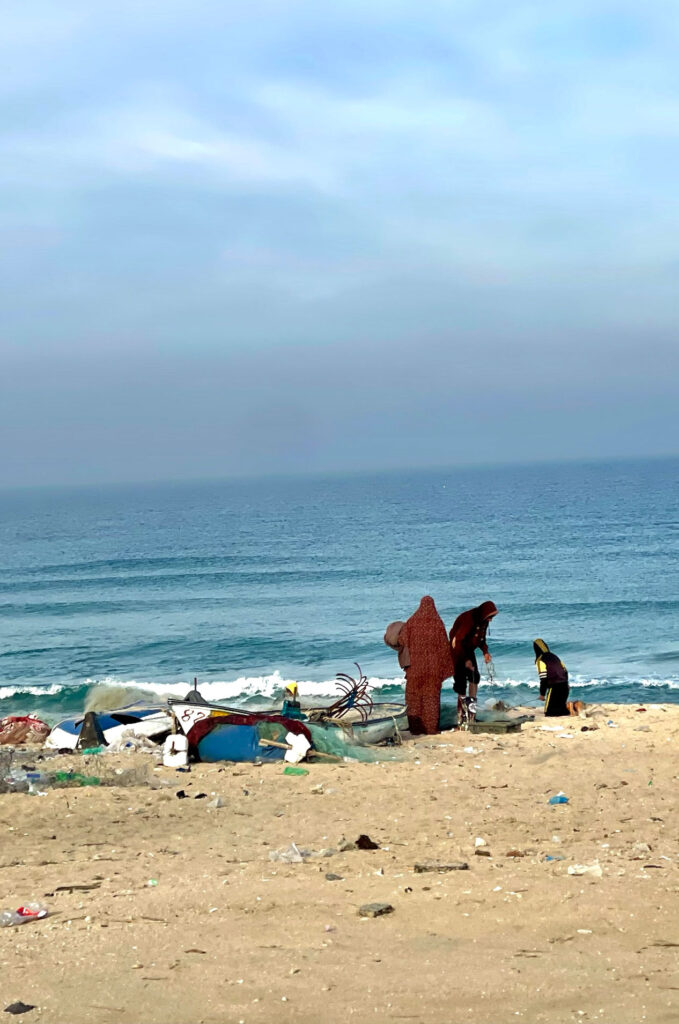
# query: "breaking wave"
60,699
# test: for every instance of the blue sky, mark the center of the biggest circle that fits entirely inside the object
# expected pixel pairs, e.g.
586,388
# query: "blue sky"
270,237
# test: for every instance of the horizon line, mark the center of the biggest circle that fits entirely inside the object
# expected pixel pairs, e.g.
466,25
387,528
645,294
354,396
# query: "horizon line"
318,474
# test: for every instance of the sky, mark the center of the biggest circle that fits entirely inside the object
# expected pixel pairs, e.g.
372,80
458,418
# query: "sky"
271,237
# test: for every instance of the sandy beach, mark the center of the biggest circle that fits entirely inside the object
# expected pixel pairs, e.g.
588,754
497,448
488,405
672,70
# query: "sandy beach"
189,920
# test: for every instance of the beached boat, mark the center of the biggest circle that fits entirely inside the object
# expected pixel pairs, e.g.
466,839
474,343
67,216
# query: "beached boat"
136,720
385,722
239,736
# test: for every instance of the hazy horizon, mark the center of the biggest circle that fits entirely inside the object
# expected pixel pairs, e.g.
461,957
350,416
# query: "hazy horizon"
335,475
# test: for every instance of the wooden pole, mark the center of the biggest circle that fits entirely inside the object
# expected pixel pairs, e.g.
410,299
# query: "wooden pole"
286,746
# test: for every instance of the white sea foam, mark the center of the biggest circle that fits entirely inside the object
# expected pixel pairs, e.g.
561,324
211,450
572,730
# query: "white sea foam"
36,691
242,688
268,687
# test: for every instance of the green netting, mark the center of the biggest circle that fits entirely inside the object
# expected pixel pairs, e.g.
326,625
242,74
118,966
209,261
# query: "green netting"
331,739
272,731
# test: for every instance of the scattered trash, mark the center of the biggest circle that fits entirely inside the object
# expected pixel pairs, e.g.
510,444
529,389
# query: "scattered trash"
299,746
292,769
180,794
152,883
559,798
346,844
216,802
480,842
641,849
291,855
611,724
431,867
200,796
482,851
63,780
317,789
586,869
19,1007
29,912
129,743
77,888
515,853
366,843
90,751
331,877
549,857
375,909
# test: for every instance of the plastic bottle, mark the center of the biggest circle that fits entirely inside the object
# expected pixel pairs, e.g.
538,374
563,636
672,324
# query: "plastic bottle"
29,912
37,783
17,780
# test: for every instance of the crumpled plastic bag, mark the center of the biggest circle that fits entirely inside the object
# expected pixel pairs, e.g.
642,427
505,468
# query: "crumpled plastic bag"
291,855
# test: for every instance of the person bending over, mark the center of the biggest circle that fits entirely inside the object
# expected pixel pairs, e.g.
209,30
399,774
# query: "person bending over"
553,681
467,633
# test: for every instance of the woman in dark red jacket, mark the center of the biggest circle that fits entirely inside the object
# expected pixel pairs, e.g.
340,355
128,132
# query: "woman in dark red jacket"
467,633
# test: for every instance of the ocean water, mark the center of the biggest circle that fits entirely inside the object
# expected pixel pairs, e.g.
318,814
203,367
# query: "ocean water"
247,584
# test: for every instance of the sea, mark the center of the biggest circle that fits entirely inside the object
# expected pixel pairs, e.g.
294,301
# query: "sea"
248,584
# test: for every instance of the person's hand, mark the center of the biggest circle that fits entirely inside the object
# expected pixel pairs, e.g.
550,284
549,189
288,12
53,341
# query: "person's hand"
487,658
541,697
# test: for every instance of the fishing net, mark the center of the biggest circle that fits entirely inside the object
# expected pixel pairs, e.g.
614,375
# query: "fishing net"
332,739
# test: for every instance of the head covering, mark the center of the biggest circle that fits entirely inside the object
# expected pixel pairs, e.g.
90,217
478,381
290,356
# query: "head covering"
468,623
540,648
391,634
392,638
424,635
486,610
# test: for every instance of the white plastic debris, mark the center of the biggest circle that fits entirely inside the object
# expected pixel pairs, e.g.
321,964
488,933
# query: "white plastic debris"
299,745
594,870
176,751
291,855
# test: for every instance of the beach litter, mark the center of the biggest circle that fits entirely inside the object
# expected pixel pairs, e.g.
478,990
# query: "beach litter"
19,1007
426,867
611,724
292,769
22,915
176,751
375,909
364,842
558,798
290,855
593,870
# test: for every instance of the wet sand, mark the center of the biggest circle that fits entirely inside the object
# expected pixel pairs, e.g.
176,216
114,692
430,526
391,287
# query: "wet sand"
227,935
